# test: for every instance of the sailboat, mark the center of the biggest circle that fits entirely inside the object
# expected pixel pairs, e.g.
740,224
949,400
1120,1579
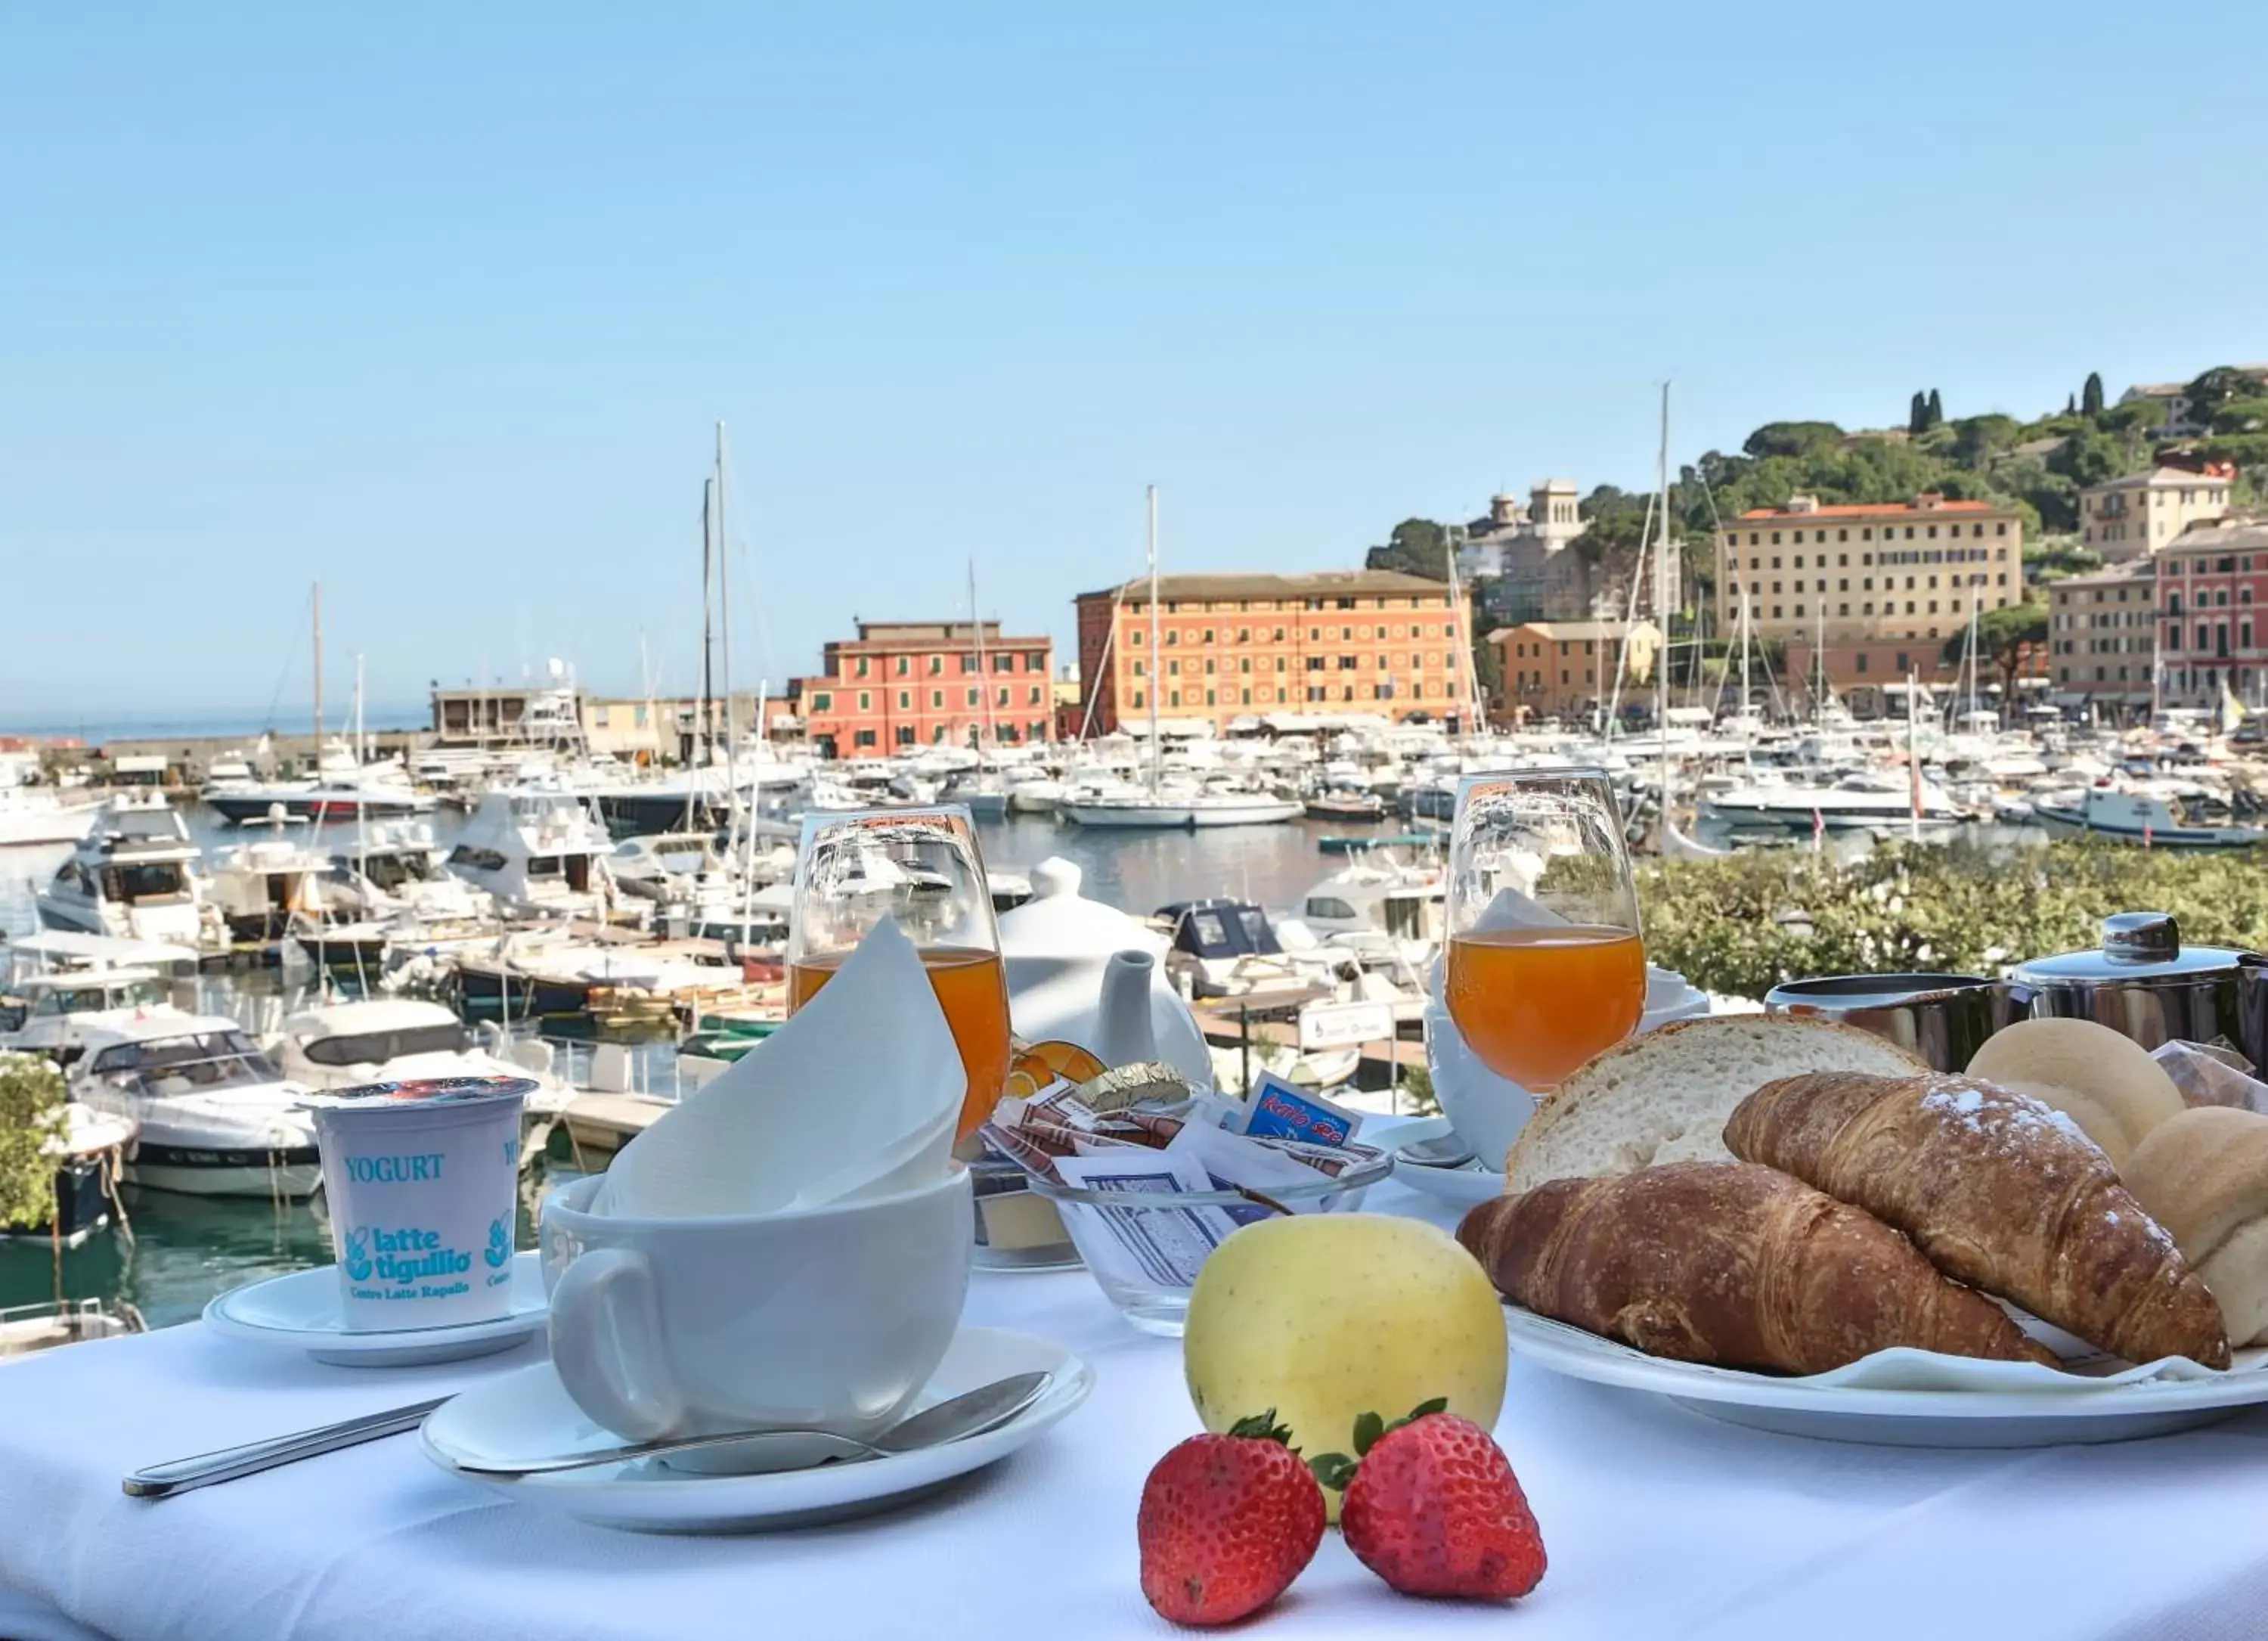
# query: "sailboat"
1155,804
1675,844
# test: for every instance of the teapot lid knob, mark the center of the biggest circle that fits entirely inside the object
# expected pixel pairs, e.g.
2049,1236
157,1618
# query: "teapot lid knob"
2141,937
1055,875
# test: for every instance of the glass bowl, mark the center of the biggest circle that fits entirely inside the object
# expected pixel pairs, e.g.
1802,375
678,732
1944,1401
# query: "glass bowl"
1017,1230
1145,1249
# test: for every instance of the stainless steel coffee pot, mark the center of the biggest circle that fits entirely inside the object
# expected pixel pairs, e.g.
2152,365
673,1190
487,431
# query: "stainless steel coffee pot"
2145,984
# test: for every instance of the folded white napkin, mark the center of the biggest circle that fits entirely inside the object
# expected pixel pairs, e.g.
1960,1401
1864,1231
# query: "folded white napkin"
856,1095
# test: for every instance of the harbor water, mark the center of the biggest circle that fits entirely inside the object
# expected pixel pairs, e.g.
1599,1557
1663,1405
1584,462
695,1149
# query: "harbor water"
178,1251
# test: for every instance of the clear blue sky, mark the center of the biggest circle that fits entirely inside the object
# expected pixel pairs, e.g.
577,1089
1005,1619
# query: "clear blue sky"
438,302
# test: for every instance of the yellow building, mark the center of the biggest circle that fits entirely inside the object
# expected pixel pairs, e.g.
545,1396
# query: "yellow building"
1246,647
1567,669
2130,518
2102,634
1883,583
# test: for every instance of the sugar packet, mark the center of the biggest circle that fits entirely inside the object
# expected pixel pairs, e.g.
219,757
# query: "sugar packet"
1277,1109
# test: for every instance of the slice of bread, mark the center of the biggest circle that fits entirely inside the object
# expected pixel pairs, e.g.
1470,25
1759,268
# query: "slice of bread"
1664,1097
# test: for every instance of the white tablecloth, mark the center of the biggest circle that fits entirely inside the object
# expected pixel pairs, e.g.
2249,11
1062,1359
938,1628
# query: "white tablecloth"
1659,1522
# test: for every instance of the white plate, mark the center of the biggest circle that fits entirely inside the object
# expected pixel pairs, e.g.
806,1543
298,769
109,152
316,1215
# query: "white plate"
1977,1404
301,1312
527,1414
1465,1185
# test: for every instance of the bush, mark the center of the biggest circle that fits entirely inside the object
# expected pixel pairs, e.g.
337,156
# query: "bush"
1743,925
31,1096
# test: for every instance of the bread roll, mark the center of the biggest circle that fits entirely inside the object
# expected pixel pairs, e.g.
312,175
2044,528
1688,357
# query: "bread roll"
1663,1097
2204,1176
2103,1080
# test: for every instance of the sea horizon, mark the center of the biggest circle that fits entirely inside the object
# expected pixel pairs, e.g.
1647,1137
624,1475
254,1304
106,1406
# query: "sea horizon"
95,728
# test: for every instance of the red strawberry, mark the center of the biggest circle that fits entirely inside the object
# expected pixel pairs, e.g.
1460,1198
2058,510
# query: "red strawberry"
1434,1509
1226,1523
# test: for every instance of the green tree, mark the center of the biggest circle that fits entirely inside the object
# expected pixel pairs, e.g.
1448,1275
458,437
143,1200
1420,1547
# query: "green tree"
1936,409
2215,388
2140,416
2007,638
2089,456
2090,397
2242,415
1977,439
31,1096
1414,547
1917,415
1792,438
2071,405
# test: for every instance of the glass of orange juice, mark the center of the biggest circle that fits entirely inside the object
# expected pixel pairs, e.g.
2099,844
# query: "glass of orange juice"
1545,967
923,867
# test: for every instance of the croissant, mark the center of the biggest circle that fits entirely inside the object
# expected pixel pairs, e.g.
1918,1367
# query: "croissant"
2001,1192
1727,1263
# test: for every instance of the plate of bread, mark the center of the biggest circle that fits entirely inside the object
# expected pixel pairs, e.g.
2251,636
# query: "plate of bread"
1794,1225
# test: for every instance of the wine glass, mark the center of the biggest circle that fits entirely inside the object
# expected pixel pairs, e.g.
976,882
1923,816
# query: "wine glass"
856,867
1545,965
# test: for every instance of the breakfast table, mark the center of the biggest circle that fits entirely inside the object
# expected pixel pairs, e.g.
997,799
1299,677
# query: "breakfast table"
1659,1521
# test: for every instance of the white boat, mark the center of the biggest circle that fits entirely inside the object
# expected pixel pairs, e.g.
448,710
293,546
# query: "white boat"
44,1324
1036,792
395,872
2135,818
538,851
342,789
394,1039
133,875
1391,914
32,815
1879,802
58,1009
1167,807
667,866
216,1118
262,889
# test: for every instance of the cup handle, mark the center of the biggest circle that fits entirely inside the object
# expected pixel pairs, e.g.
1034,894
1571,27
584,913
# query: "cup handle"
606,1334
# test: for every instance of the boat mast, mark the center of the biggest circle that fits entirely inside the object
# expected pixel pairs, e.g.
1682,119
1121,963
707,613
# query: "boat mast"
725,622
1467,679
1662,601
316,767
1913,762
983,678
1155,764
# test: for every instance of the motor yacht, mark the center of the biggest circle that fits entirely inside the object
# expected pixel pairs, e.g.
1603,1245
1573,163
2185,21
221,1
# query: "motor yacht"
2139,817
394,1039
134,876
215,1119
57,1010
1880,800
539,851
342,789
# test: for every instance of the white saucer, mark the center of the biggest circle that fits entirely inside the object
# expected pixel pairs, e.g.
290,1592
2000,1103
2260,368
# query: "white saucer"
301,1312
1909,1398
527,1414
1464,1185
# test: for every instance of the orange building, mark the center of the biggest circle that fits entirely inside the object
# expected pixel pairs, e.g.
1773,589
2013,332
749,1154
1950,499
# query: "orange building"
1230,647
903,684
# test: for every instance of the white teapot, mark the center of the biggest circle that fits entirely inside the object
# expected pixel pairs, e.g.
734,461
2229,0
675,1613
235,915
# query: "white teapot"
1077,973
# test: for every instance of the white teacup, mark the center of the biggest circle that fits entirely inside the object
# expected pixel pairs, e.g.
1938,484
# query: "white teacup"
828,1318
1487,1111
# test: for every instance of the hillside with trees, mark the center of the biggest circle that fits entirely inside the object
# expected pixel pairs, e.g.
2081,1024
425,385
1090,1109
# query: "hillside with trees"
2038,467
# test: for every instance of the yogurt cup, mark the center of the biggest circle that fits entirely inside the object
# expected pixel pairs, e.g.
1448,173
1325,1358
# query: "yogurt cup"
423,1184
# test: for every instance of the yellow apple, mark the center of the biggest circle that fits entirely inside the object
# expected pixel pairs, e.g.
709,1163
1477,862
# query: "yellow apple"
1326,1316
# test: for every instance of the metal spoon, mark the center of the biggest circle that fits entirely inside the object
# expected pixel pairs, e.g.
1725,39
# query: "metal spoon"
972,1413
1446,1150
